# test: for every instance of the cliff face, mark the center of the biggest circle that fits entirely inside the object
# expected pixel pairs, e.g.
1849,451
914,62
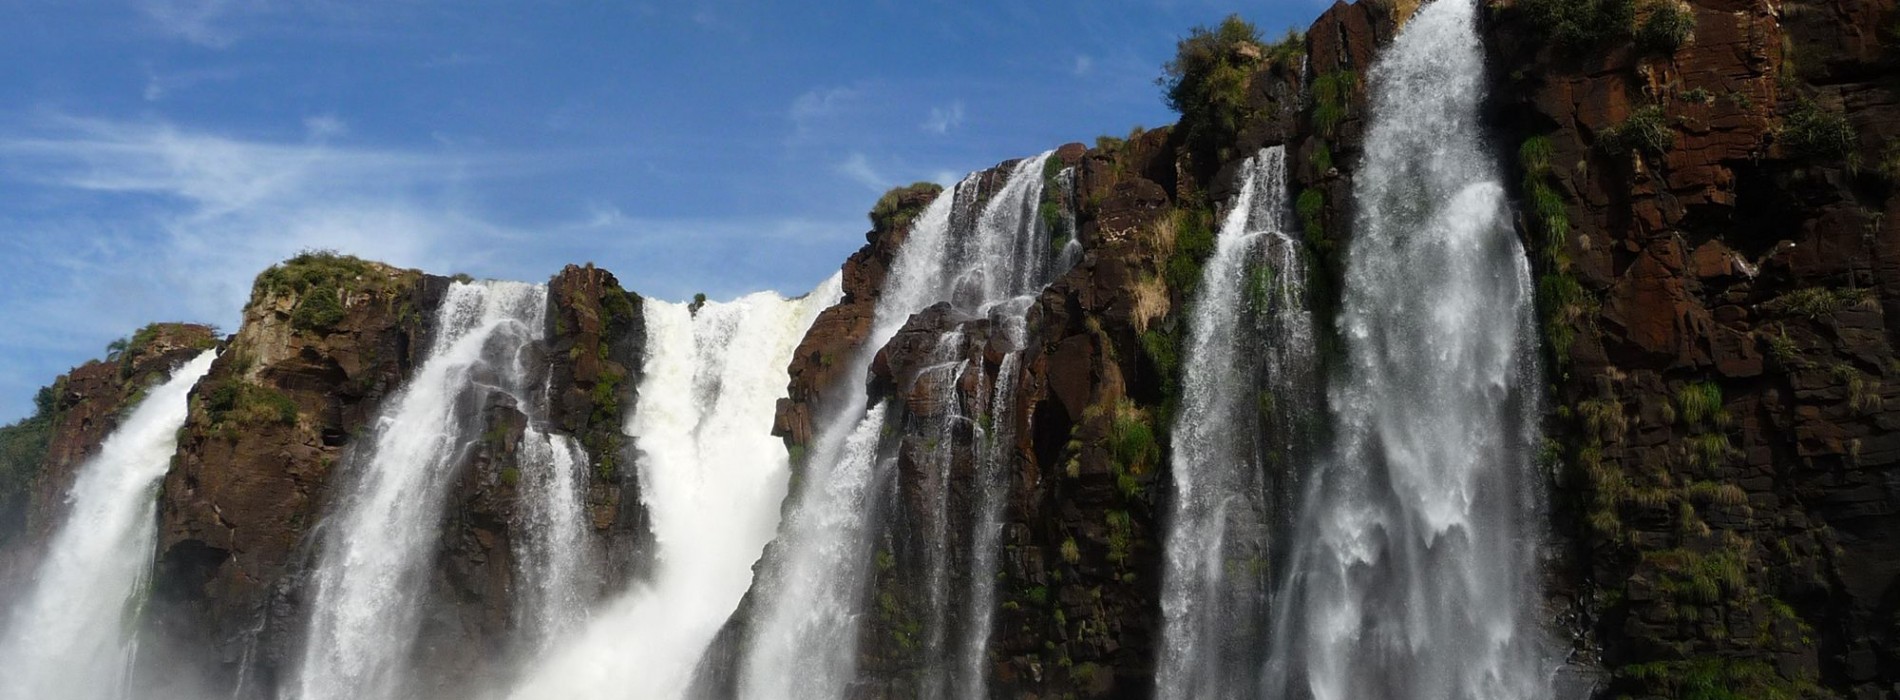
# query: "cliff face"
1718,260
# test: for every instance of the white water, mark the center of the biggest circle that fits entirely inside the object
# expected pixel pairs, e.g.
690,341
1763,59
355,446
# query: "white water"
553,561
72,636
1214,586
712,477
376,550
802,643
1415,577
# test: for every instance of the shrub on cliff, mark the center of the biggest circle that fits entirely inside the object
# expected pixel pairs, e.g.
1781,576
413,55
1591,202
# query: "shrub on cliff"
1813,132
1647,130
22,447
900,205
1206,82
1580,24
1668,26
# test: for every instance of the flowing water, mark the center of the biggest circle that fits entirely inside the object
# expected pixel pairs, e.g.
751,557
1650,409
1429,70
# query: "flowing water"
1249,375
963,249
376,549
712,476
73,635
1415,573
553,562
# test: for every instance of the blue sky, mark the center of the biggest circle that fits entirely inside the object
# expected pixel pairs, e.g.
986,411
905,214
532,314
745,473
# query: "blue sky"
156,154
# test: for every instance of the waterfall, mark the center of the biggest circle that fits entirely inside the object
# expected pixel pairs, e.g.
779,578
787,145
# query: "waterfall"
72,636
1415,574
802,641
377,547
713,477
553,561
1249,372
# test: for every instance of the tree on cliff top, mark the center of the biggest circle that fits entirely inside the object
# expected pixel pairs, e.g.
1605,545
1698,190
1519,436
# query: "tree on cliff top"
1207,80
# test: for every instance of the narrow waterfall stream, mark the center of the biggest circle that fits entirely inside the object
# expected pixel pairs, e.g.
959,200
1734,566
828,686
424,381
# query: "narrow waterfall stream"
1415,572
713,477
73,635
802,644
377,547
1249,377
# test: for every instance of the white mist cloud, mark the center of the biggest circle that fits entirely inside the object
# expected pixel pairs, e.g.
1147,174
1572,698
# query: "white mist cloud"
943,119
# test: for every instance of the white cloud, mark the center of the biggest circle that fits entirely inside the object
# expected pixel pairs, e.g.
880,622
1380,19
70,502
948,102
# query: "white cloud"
943,119
858,168
325,126
820,105
1083,64
195,21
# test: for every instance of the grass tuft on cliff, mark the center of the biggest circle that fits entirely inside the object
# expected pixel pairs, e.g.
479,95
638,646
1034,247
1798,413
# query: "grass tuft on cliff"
320,280
900,205
1580,24
1206,81
1811,131
1668,26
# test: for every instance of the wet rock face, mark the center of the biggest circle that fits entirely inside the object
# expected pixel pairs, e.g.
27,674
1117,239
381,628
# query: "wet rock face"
1723,428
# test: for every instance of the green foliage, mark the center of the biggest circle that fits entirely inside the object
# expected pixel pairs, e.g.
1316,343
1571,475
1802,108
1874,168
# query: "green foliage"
1132,441
1311,207
1695,578
510,476
1322,158
1811,131
237,402
23,448
1206,82
900,205
1580,24
316,269
1071,553
1109,144
1289,49
1332,100
318,310
1668,26
1698,96
1260,287
1816,303
1120,536
1784,351
1700,403
1564,305
1647,131
1714,678
1194,243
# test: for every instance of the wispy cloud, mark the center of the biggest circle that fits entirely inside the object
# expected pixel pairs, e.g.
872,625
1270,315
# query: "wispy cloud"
858,168
943,119
1083,64
195,21
819,105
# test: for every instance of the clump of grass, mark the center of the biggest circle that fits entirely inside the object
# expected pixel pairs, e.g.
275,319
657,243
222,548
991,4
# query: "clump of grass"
1580,24
1332,100
1811,131
1646,131
1700,404
1669,25
1815,303
900,205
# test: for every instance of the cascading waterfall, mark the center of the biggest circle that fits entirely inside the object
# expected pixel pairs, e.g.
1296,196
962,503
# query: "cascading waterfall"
802,644
1249,373
554,557
713,477
1416,569
72,636
377,547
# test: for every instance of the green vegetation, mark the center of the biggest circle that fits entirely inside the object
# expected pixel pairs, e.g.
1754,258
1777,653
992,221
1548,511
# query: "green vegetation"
1714,678
23,448
1697,95
900,205
1811,131
1206,81
1669,25
1332,100
1563,303
1815,303
1071,554
1701,403
1194,243
1647,130
320,279
235,403
1580,24
1322,158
